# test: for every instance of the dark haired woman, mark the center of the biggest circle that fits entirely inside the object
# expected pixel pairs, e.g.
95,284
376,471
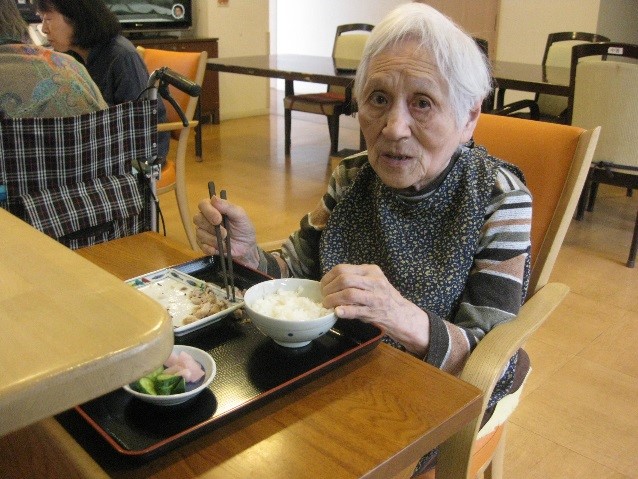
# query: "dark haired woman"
89,31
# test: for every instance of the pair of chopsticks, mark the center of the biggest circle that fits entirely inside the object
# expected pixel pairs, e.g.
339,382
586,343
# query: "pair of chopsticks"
226,258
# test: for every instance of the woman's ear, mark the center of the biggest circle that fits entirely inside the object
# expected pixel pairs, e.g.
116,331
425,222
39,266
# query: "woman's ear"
468,129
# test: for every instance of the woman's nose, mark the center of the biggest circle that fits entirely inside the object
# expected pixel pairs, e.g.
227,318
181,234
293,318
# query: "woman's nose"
397,125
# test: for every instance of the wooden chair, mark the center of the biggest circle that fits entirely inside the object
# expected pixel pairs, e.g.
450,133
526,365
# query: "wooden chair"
192,65
555,159
558,51
606,94
349,42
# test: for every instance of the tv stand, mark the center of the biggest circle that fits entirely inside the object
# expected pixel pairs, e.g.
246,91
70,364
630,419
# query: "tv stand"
209,98
134,36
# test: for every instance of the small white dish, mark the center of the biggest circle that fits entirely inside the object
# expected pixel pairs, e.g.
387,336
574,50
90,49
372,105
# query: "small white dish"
203,358
289,333
172,289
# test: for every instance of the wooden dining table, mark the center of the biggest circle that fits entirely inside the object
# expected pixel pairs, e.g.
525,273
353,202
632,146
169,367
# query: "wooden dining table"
372,416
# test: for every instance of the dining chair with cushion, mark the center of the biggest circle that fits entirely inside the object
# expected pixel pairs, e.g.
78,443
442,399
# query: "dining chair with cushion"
191,65
348,46
558,52
606,94
554,159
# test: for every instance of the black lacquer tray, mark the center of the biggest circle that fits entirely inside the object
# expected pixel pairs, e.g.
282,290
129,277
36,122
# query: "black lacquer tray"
251,369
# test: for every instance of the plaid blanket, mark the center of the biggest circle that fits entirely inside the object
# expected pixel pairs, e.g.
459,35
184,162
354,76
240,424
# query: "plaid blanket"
73,177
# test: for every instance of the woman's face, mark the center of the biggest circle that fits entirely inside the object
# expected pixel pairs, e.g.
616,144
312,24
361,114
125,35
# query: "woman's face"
58,30
407,119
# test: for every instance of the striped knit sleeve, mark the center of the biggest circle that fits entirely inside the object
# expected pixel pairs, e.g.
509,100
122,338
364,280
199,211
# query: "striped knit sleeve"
496,286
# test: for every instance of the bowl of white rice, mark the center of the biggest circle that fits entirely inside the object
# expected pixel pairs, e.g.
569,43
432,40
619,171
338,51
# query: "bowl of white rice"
289,311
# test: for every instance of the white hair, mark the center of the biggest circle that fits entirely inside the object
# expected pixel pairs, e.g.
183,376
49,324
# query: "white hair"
459,59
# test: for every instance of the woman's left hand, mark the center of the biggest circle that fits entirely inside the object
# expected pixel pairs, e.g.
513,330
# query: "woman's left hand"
363,292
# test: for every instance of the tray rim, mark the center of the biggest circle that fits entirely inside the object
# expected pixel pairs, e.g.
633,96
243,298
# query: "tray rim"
204,426
228,415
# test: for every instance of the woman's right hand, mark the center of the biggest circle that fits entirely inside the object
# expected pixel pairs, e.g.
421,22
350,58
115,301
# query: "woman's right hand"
242,232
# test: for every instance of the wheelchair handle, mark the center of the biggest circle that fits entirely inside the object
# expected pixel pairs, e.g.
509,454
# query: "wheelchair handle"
165,76
178,81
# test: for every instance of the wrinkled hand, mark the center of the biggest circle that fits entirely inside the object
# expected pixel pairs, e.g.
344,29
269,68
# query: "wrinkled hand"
363,292
242,232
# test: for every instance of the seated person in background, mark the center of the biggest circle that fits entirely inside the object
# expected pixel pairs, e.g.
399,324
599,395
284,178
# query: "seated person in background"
425,235
37,82
90,32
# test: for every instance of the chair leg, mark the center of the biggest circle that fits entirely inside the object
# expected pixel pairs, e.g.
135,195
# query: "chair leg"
333,128
593,190
582,201
287,128
631,261
495,468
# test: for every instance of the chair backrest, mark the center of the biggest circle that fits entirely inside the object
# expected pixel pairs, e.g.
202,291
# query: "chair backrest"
350,40
606,94
558,53
554,159
192,65
72,177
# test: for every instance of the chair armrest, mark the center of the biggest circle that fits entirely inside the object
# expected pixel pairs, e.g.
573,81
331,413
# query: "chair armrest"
175,125
485,366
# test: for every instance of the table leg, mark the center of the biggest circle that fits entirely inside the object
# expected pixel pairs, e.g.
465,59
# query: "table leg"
198,132
289,88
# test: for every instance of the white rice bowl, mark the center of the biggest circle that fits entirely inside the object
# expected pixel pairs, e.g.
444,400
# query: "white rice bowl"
289,310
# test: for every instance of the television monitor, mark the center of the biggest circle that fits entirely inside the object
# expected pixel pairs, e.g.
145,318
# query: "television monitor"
152,16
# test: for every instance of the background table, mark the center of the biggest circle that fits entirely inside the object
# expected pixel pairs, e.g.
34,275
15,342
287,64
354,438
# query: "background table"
372,417
530,78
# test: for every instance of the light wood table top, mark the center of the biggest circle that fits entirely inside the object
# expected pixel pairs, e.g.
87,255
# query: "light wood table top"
70,330
373,416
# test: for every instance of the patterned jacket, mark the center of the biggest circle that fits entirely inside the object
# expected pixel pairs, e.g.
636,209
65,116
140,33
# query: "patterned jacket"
37,82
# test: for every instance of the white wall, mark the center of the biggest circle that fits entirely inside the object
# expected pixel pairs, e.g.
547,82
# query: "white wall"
242,28
524,25
618,20
308,26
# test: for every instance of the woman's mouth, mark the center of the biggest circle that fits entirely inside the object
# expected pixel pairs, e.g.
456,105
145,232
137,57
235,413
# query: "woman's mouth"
395,157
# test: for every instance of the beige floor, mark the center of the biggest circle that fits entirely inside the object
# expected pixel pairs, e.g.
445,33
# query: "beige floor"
579,415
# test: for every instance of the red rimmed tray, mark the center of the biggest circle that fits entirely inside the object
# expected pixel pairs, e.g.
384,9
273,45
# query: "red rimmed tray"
251,369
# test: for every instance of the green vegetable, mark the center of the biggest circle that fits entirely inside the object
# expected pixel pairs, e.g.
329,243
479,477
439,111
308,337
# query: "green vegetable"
159,384
166,384
145,385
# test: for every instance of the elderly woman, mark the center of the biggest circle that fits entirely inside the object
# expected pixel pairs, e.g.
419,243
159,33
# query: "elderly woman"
89,31
424,234
37,82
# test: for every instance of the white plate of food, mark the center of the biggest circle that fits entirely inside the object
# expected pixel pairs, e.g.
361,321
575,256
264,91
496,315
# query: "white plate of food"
192,303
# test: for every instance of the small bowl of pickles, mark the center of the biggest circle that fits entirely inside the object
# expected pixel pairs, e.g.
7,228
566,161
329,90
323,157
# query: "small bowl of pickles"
184,374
